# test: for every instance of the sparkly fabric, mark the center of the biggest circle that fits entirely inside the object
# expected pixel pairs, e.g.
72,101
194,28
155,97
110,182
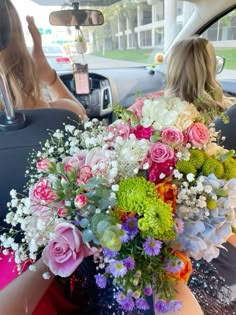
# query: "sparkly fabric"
210,290
83,291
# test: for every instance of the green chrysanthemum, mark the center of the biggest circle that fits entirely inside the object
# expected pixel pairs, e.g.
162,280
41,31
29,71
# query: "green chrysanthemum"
186,167
197,158
229,169
157,221
211,165
135,194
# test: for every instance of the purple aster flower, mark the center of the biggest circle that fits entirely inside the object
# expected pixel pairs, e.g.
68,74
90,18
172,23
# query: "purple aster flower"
131,226
129,263
101,281
162,306
117,268
148,290
179,225
175,306
142,304
109,253
124,236
174,265
127,303
152,247
119,296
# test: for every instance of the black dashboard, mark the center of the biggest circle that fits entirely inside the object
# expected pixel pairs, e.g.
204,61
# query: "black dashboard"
114,86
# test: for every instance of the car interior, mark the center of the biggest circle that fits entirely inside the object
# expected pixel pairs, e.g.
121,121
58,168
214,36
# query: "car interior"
98,81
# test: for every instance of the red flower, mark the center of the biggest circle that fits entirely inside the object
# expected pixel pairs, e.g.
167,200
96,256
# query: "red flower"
141,132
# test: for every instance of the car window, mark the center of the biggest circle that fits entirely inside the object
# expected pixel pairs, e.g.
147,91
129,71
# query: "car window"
223,36
133,32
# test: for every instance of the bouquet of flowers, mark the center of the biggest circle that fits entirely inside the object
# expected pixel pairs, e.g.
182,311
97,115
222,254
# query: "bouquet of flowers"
142,195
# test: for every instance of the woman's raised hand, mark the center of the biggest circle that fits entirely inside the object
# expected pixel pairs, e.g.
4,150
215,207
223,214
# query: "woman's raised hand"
46,73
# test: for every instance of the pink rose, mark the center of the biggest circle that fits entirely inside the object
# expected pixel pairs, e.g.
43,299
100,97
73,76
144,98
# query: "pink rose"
155,95
62,212
44,165
68,168
66,251
97,160
84,173
77,160
119,128
172,136
43,193
136,108
160,152
141,132
198,134
80,201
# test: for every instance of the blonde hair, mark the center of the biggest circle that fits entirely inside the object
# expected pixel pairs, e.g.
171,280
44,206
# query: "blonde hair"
18,66
191,75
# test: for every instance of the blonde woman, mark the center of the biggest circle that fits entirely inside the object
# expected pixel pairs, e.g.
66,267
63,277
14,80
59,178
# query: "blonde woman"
191,75
25,74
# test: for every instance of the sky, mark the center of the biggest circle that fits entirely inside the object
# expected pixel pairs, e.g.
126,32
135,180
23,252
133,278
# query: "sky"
40,14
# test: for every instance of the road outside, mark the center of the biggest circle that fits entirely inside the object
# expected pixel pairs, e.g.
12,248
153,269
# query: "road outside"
95,62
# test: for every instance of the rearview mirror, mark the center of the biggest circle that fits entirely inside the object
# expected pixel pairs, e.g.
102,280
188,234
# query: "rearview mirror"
76,18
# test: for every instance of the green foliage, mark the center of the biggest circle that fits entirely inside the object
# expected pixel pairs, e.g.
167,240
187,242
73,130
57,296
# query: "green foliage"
125,115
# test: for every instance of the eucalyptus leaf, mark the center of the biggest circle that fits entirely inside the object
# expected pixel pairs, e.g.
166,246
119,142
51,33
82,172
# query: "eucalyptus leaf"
87,236
104,204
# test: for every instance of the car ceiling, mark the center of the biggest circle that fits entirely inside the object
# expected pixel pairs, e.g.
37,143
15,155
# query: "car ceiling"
83,3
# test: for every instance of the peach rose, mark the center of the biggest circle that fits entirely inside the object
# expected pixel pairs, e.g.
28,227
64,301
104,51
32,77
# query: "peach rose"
198,134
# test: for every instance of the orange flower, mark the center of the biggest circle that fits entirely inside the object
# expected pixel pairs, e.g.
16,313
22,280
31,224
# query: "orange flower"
168,193
184,274
124,215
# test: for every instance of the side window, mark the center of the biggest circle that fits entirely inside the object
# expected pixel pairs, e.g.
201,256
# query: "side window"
223,36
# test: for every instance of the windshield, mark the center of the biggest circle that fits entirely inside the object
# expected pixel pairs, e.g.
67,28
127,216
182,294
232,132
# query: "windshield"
133,32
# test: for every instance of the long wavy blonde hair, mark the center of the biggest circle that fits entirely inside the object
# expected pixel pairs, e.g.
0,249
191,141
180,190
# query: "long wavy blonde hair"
18,66
191,75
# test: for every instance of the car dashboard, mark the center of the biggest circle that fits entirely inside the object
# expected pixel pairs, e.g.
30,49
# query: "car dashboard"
109,87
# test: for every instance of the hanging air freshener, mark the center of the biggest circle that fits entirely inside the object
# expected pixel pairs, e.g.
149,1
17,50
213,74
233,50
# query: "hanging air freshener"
80,42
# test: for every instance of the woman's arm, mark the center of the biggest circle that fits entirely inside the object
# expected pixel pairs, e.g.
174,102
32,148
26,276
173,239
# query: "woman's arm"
21,296
190,304
57,90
